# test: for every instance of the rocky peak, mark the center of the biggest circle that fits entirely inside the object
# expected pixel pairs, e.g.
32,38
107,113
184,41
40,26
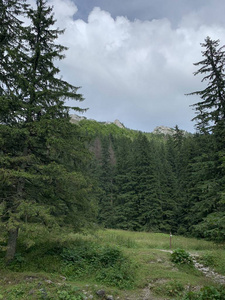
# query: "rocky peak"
164,130
75,119
118,123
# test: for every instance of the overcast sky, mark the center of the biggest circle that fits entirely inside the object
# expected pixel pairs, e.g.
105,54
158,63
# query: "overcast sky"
134,58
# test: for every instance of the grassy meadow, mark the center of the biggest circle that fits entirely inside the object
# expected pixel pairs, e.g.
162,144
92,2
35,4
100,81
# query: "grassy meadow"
127,265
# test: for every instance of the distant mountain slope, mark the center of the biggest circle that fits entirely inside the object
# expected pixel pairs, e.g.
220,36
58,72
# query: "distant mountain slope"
117,127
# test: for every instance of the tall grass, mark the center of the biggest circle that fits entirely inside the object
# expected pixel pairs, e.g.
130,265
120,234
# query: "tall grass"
131,239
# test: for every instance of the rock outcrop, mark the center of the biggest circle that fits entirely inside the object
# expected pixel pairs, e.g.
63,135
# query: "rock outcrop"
164,130
76,118
118,123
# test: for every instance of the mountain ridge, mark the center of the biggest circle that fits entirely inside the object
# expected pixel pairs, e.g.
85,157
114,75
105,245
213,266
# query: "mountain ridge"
159,130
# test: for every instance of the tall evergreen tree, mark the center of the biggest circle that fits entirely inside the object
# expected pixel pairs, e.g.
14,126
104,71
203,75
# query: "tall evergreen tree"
210,117
41,160
124,183
107,184
210,111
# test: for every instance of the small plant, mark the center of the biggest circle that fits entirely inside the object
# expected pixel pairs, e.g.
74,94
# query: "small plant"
65,295
206,293
171,289
208,260
180,256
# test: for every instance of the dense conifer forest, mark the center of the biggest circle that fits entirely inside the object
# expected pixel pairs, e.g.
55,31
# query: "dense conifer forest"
160,183
59,175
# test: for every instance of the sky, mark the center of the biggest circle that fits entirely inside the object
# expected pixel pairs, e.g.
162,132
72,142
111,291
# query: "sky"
133,59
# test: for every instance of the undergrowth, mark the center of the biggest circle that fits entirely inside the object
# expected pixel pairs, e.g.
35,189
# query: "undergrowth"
80,260
122,261
106,263
206,293
42,291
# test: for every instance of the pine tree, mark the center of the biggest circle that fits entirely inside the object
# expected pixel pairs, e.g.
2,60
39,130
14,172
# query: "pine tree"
123,183
211,122
10,42
41,157
211,110
106,177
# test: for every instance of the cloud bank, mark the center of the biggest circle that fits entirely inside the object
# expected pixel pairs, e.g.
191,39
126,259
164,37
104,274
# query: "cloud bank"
135,71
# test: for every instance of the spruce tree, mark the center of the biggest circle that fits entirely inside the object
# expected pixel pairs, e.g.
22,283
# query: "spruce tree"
210,117
123,183
42,156
107,185
210,111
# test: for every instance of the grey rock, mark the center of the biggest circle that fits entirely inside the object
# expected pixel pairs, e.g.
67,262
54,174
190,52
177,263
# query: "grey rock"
100,293
75,118
164,130
119,124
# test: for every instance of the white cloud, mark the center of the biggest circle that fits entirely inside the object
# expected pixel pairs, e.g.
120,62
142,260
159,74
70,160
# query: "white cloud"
135,71
64,10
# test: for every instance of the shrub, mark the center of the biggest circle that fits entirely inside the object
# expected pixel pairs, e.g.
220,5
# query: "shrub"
180,256
206,293
106,263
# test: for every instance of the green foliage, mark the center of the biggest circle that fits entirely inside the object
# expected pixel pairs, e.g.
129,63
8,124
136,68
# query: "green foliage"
171,289
43,157
106,263
42,290
78,259
212,227
180,256
71,294
210,110
213,259
95,129
208,259
206,293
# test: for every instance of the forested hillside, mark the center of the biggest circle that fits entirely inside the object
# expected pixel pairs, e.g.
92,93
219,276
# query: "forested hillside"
156,182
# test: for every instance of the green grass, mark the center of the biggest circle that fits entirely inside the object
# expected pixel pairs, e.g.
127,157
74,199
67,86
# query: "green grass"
123,263
155,240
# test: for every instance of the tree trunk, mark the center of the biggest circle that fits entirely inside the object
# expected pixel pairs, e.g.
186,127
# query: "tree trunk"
11,246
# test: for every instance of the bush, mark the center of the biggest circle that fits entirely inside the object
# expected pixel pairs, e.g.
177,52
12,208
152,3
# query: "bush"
106,263
206,293
180,256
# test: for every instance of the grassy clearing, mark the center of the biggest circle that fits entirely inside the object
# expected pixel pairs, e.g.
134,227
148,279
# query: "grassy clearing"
154,240
125,264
